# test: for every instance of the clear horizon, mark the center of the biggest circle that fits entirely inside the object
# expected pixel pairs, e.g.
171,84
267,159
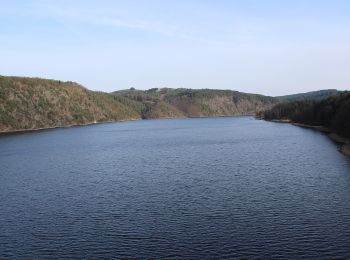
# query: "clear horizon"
270,48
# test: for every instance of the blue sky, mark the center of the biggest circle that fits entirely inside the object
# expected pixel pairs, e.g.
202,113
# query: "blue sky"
267,47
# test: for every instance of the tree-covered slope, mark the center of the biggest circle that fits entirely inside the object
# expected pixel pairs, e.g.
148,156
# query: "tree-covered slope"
31,103
313,95
332,112
167,102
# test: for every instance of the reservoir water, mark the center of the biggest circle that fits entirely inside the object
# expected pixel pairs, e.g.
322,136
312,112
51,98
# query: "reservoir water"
230,187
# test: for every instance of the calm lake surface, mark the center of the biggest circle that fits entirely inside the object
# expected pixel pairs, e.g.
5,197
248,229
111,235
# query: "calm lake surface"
230,187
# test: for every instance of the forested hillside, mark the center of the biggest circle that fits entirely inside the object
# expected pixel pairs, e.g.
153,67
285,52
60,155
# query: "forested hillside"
313,95
32,103
333,113
167,102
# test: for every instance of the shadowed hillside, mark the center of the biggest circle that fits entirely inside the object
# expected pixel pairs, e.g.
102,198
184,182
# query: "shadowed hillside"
313,95
333,113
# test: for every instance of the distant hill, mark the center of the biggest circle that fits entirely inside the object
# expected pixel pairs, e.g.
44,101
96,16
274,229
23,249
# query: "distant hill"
167,102
313,95
33,103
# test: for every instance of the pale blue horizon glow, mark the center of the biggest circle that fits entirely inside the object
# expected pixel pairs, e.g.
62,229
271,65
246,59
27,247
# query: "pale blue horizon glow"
270,47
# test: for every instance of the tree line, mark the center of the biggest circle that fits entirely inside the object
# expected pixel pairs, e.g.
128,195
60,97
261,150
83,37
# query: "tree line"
332,112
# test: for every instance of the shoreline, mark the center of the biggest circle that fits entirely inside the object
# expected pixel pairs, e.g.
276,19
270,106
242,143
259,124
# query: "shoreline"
343,143
318,128
19,131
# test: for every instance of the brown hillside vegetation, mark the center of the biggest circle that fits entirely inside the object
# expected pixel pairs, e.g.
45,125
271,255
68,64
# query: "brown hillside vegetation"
167,102
34,103
31,103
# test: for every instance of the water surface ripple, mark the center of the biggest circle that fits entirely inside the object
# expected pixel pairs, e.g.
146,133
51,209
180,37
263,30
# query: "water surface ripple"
182,188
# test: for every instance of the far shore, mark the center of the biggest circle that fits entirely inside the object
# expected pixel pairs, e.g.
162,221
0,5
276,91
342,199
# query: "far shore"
344,143
59,127
17,131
